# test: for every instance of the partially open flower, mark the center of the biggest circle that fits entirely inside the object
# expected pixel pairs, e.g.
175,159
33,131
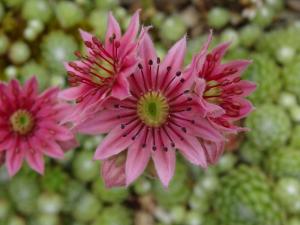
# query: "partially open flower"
160,116
103,71
30,125
224,88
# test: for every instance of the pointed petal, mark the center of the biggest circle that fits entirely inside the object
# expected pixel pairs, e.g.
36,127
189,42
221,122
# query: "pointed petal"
35,161
201,128
175,56
113,143
190,147
71,93
213,150
48,147
164,163
113,28
31,87
69,144
174,60
146,49
137,160
113,172
14,158
86,36
133,28
219,51
246,107
14,161
102,122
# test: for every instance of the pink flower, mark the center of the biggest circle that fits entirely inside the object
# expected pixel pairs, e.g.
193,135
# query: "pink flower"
104,70
30,125
224,91
160,116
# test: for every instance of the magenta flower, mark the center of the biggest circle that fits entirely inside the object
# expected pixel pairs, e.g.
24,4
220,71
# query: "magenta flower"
104,70
30,125
160,116
224,91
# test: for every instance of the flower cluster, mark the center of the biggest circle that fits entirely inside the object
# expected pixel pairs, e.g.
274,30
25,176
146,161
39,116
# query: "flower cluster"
148,108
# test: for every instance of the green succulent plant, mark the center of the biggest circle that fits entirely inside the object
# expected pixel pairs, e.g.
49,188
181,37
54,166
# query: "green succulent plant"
245,198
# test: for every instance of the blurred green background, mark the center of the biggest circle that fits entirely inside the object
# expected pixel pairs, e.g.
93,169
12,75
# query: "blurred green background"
256,182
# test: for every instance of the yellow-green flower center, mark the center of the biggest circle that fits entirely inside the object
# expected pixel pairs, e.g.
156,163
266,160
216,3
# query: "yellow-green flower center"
153,109
101,70
213,92
21,122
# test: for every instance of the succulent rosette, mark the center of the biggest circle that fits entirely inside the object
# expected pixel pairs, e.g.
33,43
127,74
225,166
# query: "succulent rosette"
31,125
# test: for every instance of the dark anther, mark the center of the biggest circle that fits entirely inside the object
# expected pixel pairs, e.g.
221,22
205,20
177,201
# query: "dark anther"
183,129
181,80
77,54
95,40
88,44
237,79
122,126
173,144
144,145
113,36
158,60
186,91
154,148
124,135
150,62
140,66
72,64
189,109
165,149
169,68
116,105
118,117
178,73
190,99
133,138
193,121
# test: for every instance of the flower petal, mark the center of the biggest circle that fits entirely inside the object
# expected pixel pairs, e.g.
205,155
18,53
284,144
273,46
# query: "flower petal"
14,158
164,161
113,28
102,122
132,29
113,172
31,87
71,93
120,89
213,150
113,143
35,159
174,60
137,160
86,36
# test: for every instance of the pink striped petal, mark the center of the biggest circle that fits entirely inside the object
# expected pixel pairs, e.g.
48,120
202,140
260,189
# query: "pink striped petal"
113,28
35,159
137,161
113,143
164,162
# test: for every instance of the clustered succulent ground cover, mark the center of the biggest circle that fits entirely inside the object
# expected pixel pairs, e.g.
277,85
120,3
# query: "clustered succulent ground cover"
257,182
